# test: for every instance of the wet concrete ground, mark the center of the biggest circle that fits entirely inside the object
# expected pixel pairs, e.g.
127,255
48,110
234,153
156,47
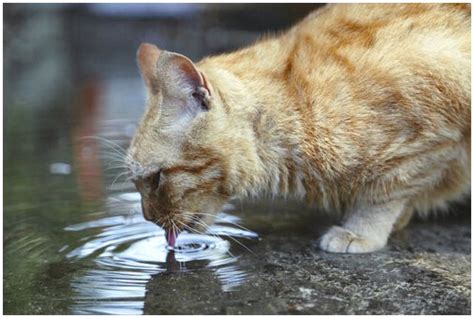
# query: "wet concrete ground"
425,269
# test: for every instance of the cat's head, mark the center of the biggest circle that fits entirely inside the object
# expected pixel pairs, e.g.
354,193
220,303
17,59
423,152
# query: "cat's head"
179,158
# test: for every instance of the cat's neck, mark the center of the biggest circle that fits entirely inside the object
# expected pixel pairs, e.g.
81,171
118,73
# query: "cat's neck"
260,98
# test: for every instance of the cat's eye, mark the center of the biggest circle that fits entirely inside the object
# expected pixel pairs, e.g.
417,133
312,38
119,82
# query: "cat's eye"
155,181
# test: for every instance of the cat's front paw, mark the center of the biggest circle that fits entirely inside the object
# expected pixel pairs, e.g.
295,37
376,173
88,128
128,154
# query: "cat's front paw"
341,240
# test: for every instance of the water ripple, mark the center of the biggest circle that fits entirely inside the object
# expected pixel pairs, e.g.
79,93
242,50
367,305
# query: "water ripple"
124,251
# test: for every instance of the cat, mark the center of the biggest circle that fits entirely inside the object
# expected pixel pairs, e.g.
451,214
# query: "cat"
360,109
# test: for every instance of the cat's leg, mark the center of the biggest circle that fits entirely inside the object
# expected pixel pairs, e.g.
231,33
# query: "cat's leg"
364,230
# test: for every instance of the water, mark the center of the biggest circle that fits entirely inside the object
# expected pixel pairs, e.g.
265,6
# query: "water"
128,250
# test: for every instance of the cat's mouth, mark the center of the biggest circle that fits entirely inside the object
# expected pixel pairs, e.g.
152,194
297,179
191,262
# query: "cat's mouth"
173,232
171,236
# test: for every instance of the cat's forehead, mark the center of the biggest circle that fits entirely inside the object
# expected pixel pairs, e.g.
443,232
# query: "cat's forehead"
144,159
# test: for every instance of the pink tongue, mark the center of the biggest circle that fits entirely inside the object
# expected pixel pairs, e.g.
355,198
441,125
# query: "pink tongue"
171,237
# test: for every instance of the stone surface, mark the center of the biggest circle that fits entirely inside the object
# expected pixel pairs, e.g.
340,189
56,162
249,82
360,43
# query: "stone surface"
425,269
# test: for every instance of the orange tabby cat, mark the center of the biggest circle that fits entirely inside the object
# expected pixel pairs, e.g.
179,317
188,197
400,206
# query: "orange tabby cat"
362,109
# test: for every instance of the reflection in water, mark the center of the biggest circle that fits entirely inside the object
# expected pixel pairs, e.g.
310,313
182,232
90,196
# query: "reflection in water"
125,251
86,152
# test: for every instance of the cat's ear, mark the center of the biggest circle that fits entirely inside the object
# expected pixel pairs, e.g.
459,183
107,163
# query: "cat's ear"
186,92
186,82
147,58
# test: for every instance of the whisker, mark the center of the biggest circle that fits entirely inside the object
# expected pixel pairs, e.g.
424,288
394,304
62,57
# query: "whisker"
116,167
232,238
115,151
115,158
223,219
196,230
117,177
112,155
110,143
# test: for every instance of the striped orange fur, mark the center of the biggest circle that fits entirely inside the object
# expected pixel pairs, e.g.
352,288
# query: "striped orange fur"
362,109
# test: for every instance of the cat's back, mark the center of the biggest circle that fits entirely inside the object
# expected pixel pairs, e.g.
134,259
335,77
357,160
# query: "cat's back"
337,20
359,58
389,11
363,54
353,35
389,36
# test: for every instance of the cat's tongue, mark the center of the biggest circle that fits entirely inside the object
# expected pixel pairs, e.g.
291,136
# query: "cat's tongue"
171,236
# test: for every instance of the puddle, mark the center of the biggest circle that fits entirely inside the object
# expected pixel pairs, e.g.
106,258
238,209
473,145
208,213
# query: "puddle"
126,251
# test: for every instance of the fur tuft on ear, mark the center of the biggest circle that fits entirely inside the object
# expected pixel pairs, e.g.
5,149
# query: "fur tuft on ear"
186,92
147,58
186,80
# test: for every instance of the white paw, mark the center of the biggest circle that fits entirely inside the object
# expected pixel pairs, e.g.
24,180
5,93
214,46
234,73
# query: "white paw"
340,240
